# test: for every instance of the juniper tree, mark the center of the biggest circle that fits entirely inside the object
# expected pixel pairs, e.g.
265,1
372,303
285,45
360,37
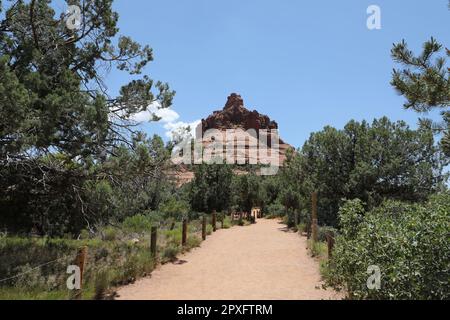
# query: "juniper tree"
53,95
60,127
371,162
211,188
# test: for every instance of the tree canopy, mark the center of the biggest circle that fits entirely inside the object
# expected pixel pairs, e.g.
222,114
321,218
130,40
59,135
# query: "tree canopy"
424,82
211,188
52,89
369,162
70,152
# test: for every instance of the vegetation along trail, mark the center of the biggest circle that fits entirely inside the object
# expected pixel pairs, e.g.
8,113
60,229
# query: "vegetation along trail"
262,261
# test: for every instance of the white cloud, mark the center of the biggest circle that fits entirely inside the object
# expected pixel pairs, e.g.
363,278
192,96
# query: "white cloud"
169,120
167,115
175,129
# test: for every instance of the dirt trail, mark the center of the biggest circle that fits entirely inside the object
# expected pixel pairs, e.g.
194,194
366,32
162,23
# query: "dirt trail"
262,261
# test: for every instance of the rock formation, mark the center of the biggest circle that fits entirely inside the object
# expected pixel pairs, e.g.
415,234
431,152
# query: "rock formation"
235,116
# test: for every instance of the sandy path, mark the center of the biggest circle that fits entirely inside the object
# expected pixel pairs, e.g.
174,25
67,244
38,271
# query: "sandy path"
261,261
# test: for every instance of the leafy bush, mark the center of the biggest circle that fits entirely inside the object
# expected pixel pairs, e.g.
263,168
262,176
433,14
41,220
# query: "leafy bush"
193,242
276,209
101,284
110,263
302,227
110,234
138,223
170,253
410,244
209,229
324,231
317,249
227,222
175,210
136,265
173,236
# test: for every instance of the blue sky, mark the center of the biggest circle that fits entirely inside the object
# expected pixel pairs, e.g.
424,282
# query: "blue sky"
306,64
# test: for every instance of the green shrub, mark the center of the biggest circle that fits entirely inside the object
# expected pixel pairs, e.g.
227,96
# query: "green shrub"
227,222
170,253
289,219
324,231
209,229
101,285
173,236
85,234
193,241
138,223
410,244
318,249
302,227
109,263
276,210
110,234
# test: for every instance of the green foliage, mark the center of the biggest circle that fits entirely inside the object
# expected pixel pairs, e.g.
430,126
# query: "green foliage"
290,199
424,82
226,222
324,231
318,249
408,242
193,242
209,229
302,228
110,234
102,281
170,253
289,219
384,160
175,210
110,263
138,223
51,80
247,192
173,236
69,154
276,209
211,188
351,215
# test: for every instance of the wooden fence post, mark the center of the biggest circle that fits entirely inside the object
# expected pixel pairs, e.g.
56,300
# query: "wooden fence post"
204,228
184,235
314,217
330,243
81,263
153,239
214,221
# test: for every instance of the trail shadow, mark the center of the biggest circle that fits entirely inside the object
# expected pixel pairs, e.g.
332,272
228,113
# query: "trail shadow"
179,262
285,229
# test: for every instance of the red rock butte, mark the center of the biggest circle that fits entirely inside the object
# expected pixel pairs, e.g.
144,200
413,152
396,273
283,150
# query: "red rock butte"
235,115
